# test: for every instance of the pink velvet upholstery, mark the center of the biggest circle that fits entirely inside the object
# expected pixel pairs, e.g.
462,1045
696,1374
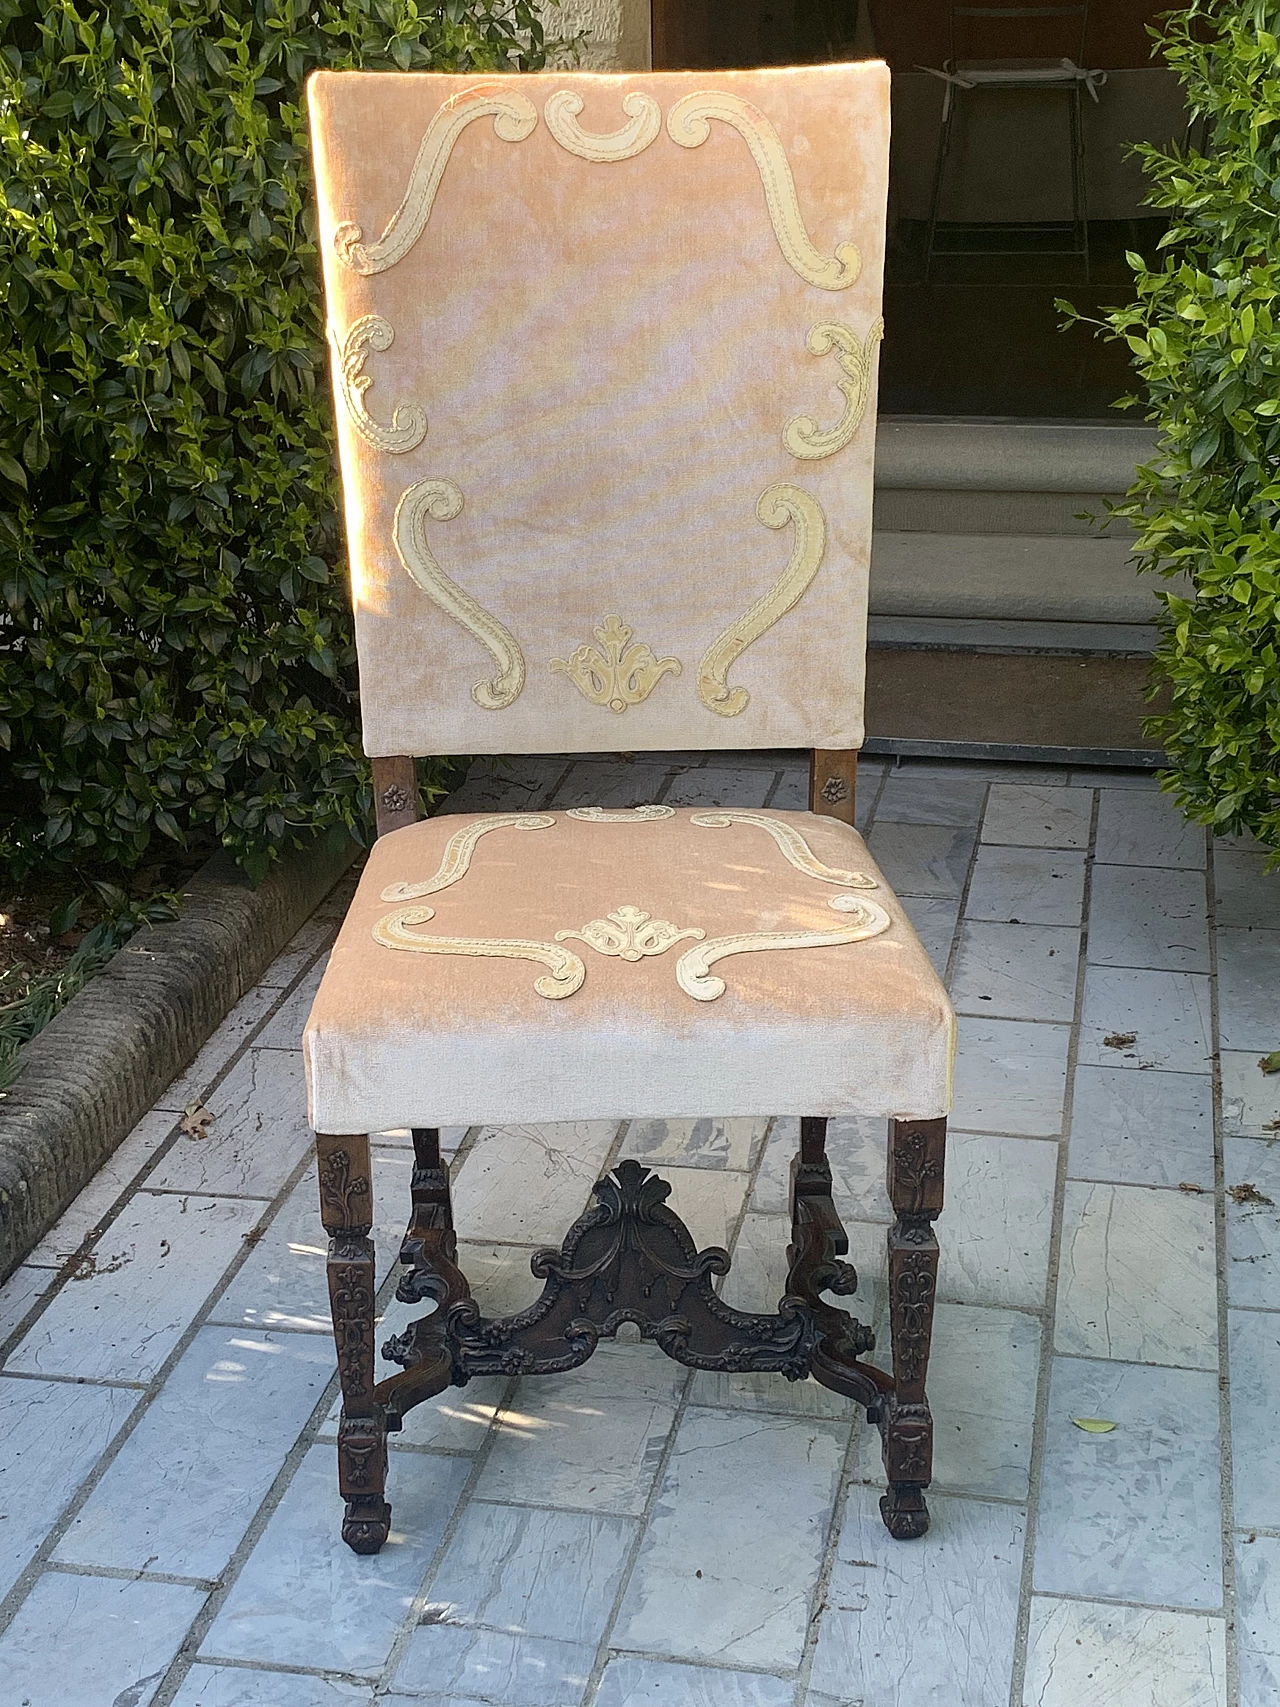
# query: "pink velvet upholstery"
401,1038
591,388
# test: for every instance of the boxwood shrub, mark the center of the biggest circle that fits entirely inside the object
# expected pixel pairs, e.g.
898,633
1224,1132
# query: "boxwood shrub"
175,642
1205,336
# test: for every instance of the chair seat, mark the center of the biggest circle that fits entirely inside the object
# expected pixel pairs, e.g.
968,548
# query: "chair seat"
590,964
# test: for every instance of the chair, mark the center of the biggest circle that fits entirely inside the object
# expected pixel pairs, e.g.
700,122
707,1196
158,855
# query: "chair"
1054,75
603,352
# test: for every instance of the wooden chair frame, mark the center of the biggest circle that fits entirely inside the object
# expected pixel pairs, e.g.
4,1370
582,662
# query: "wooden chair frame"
630,1259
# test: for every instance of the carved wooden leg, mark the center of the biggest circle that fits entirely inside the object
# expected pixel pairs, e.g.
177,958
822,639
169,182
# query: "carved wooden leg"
818,1241
346,1208
916,1149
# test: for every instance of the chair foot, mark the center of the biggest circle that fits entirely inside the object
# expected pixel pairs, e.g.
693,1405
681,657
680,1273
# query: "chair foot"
366,1523
903,1508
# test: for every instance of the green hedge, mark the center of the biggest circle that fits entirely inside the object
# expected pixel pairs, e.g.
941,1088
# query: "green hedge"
1205,335
175,640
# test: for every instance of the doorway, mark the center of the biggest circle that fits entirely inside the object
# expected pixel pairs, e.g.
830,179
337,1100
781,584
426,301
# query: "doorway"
971,326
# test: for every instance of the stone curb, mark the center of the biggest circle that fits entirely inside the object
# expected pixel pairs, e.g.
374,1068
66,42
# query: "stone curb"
95,1070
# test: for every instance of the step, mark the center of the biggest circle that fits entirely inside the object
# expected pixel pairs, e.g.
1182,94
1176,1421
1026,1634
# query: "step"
1012,577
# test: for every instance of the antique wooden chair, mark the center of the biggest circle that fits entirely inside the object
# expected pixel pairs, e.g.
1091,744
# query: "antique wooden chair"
589,334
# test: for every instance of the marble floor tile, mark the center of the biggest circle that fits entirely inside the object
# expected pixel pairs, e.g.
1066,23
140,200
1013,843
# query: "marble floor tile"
20,1294
1143,916
181,1492
533,1573
1248,982
82,1220
528,1183
1142,1128
720,785
858,1153
521,783
1253,1225
1016,971
301,949
616,785
1146,828
659,1683
1250,1097
258,1134
912,799
1258,1618
922,859
713,1143
1083,1654
934,922
1026,886
983,1372
1137,1277
709,1203
52,1434
284,1029
1255,1416
236,1029
1104,776
995,1229
921,1626
517,1670
1247,893
282,1283
1030,815
113,1640
1135,1514
138,1289
571,1440
237,1686
728,1580
304,1599
1010,1076
792,794
1166,1014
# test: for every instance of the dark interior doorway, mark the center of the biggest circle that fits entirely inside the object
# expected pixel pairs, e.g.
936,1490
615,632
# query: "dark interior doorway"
981,335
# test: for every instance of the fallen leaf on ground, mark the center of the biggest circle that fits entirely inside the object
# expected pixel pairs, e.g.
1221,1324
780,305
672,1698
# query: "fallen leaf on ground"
253,1235
1247,1194
195,1120
1120,1040
1270,1063
1093,1425
1189,1186
1271,1126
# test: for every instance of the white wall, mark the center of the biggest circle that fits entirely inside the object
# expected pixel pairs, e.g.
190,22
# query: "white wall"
617,32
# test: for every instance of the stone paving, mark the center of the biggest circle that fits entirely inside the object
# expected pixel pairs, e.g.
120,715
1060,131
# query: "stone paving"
635,1533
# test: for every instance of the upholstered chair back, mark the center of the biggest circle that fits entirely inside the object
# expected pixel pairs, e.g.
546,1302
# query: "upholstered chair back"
604,351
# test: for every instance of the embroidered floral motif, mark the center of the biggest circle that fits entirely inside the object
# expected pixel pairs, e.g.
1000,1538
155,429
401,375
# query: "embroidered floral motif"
629,933
617,673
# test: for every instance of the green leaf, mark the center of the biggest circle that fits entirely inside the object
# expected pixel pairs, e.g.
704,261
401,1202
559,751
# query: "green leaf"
1093,1425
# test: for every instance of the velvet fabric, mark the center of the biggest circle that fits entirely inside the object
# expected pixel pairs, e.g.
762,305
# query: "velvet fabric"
600,362
398,1038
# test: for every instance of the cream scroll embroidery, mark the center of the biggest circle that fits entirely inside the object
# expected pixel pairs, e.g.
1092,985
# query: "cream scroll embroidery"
441,500
629,933
561,113
565,971
617,674
777,506
791,843
514,118
408,421
687,124
455,862
693,967
632,815
802,435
